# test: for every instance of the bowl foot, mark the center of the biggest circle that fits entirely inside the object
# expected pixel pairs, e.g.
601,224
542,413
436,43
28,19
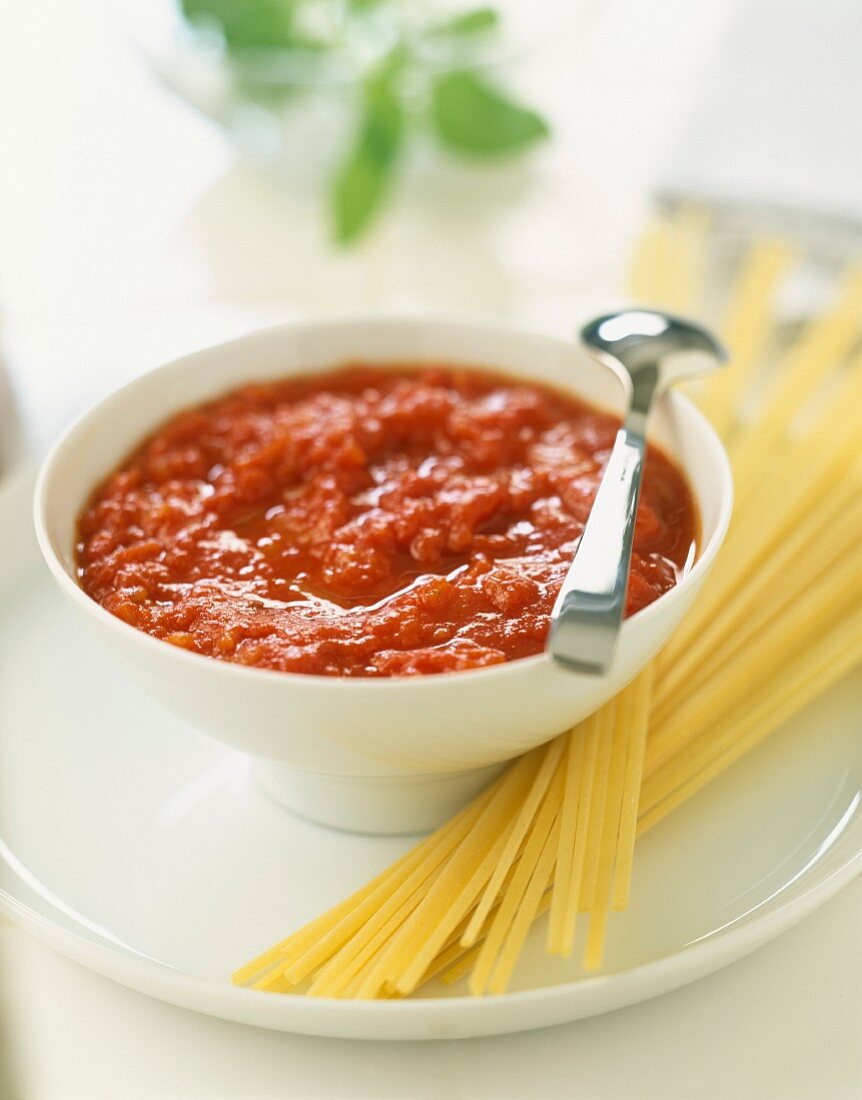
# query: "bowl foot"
386,805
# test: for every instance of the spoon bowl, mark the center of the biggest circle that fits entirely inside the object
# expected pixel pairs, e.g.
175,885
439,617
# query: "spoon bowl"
637,338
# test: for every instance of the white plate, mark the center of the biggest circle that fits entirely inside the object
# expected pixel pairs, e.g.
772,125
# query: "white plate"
140,848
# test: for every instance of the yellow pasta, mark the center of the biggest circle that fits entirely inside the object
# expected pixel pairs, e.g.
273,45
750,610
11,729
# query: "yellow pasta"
747,329
780,623
821,538
722,744
571,886
514,840
525,912
600,897
636,715
824,345
426,917
528,866
670,261
601,781
574,763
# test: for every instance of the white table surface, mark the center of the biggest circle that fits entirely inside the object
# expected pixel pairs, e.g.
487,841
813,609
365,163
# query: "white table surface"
127,234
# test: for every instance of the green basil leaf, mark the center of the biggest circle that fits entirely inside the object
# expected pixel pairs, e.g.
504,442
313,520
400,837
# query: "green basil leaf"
472,116
362,180
259,24
469,22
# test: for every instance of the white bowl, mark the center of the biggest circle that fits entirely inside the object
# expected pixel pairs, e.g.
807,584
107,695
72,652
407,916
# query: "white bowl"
389,755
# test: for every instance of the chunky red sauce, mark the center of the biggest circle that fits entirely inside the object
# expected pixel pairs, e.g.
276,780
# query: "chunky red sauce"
367,522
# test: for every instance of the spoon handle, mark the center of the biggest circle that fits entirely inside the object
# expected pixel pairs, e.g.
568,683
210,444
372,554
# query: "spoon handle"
586,618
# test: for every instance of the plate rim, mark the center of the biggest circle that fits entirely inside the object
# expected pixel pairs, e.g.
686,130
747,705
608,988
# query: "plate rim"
464,1017
423,1018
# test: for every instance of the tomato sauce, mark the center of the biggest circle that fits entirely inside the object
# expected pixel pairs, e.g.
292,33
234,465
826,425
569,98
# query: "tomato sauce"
368,522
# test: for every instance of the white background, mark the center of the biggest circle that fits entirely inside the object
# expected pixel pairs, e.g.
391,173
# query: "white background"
128,233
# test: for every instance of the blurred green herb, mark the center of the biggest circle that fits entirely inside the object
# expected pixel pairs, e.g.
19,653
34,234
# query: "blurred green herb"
468,22
407,90
246,24
473,117
363,177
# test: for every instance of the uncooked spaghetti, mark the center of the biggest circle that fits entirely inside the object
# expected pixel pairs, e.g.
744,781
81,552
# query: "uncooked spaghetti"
780,623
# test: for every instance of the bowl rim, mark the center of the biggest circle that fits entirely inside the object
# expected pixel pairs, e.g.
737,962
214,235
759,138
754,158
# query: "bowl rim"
480,327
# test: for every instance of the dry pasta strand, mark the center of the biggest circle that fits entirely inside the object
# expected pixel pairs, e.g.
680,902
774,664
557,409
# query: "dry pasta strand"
574,762
636,714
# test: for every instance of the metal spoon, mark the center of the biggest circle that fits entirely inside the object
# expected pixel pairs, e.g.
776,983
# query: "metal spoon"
648,351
